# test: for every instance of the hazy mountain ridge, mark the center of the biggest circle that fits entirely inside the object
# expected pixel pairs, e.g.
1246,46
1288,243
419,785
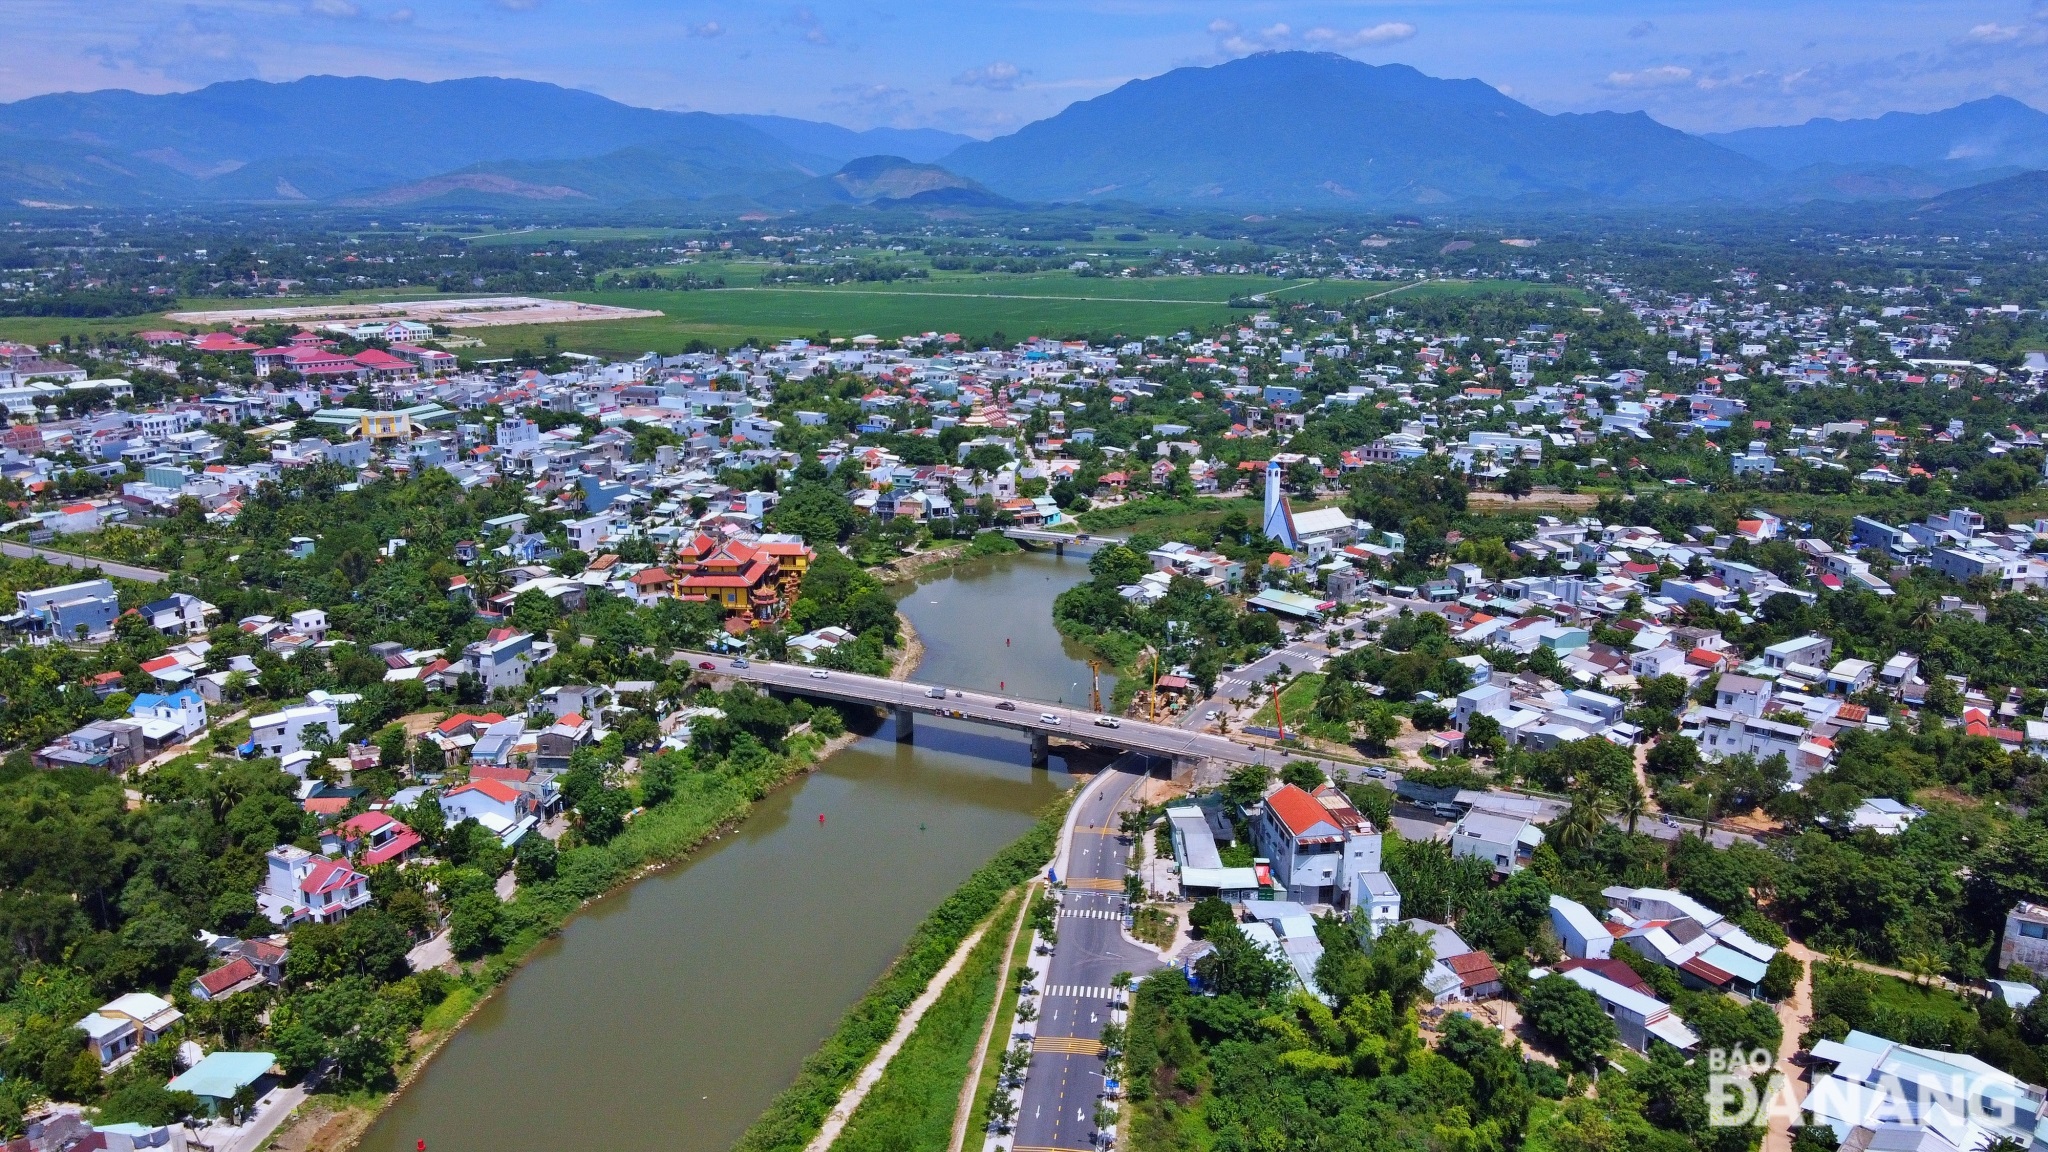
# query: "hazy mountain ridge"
1289,129
1321,129
1980,136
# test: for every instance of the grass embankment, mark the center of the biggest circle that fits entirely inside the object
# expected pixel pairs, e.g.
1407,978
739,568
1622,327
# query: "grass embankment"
1018,962
1297,702
795,1116
911,1108
703,803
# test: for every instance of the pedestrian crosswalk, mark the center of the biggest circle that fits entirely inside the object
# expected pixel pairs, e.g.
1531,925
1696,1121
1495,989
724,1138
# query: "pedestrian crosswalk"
1080,991
1226,682
1091,914
1095,884
1066,1045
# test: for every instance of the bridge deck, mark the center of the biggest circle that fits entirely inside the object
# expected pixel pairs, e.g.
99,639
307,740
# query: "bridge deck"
1023,715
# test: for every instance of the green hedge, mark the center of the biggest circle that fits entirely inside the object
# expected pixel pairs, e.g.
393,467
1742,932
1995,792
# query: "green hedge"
796,1115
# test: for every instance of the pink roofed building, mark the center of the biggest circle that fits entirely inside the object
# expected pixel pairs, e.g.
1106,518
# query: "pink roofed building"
380,839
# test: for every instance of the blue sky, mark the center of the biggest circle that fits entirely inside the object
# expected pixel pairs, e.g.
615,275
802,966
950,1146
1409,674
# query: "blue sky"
988,66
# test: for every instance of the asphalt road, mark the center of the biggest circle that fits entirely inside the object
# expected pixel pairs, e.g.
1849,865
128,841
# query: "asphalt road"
1065,1082
88,563
1076,724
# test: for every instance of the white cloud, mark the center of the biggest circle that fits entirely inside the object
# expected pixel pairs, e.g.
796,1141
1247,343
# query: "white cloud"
810,27
1388,32
999,76
709,30
1662,76
1232,40
338,9
1992,34
401,16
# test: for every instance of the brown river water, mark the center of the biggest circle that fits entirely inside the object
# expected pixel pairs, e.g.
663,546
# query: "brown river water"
669,1015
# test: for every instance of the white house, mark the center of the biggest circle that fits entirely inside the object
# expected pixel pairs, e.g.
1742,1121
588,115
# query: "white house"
1504,841
1638,1017
283,733
1583,935
1321,847
310,623
299,886
506,811
1884,817
120,1026
181,713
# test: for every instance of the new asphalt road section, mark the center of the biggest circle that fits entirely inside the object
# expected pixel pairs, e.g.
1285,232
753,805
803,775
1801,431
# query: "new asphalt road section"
1065,1081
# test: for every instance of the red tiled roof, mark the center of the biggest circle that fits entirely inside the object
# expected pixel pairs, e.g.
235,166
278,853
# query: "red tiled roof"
328,875
1705,971
502,793
1297,810
1474,969
227,976
1614,970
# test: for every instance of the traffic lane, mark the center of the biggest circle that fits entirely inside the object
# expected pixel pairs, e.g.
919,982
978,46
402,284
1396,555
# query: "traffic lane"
1160,738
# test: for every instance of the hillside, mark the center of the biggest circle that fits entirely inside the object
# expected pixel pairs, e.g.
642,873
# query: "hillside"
326,137
1969,140
1316,129
839,145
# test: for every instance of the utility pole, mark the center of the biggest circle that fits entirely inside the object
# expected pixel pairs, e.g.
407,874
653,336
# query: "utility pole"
1153,714
1279,721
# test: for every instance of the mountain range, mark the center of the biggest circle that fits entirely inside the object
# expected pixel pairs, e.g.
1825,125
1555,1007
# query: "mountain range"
1280,129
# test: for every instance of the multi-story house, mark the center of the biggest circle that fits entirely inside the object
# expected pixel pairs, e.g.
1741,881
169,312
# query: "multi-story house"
299,886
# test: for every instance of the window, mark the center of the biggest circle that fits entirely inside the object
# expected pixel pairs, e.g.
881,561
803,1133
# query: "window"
2033,931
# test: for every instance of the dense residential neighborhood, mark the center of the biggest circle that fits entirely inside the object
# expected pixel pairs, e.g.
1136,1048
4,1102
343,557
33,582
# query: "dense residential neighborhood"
1650,675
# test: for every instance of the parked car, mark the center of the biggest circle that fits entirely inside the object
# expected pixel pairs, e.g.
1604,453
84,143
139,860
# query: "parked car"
821,674
1048,718
1005,706
707,665
1376,772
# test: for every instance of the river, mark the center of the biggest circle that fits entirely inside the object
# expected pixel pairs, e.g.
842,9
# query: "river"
669,1015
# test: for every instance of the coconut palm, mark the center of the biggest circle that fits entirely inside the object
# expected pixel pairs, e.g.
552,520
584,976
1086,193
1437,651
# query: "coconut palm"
1582,821
1924,616
1635,804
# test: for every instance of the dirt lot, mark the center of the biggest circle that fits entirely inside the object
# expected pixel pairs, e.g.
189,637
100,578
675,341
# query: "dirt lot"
469,312
321,1128
1540,500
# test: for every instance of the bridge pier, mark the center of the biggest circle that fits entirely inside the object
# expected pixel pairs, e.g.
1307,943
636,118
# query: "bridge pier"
905,724
1040,749
1059,550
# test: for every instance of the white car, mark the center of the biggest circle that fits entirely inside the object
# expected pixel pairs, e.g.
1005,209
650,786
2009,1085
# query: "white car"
1108,722
821,674
1048,718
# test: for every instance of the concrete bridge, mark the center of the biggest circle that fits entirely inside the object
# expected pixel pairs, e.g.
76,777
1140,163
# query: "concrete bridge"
1060,541
906,699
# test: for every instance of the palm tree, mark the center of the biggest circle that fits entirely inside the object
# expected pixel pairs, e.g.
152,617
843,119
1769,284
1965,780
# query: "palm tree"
1582,821
1925,613
1924,966
1635,803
